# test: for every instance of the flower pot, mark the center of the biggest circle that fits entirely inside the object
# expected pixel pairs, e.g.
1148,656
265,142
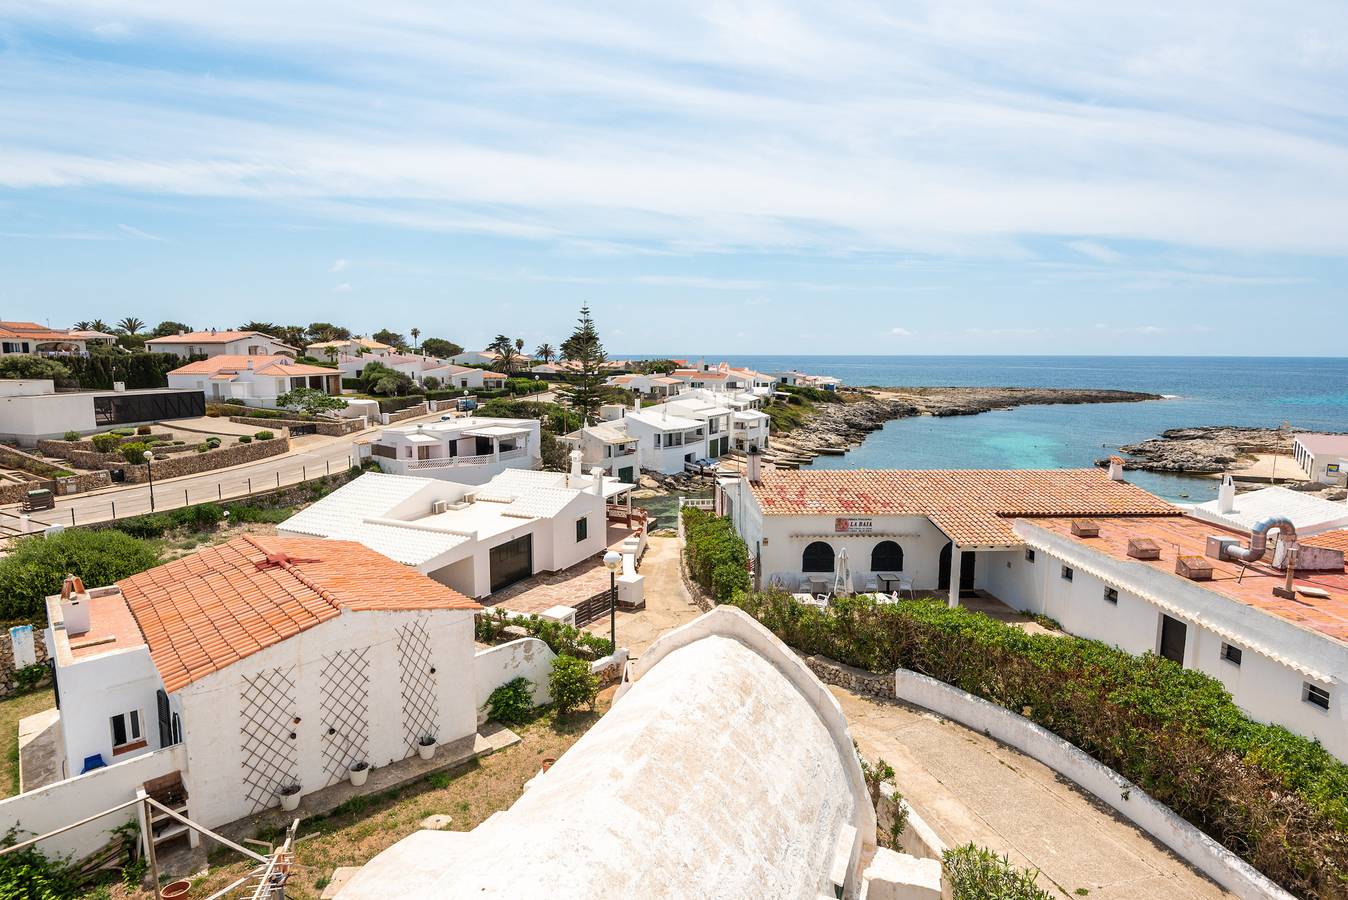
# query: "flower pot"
358,776
425,751
290,802
175,890
548,761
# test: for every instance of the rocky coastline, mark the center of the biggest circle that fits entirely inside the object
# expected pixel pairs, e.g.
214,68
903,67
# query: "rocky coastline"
1204,450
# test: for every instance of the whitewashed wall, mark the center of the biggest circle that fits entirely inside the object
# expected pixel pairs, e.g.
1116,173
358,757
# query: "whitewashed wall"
921,541
95,689
525,658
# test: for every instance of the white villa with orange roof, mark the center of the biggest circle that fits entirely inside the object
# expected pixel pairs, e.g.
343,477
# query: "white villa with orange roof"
356,346
253,380
31,337
220,343
1104,558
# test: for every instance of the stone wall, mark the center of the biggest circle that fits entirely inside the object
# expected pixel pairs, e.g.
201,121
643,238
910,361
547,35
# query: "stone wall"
192,463
411,412
56,447
858,681
326,427
15,458
7,657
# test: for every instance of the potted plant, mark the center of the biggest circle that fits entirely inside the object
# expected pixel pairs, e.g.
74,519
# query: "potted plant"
426,746
290,796
360,770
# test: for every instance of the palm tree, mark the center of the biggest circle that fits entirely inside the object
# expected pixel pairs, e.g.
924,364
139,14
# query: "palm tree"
81,326
416,333
130,325
545,352
509,358
99,325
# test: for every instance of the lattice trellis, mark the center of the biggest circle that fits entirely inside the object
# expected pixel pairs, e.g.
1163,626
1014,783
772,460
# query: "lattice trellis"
268,721
345,703
416,671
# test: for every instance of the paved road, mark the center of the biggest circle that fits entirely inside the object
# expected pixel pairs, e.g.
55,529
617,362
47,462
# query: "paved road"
969,787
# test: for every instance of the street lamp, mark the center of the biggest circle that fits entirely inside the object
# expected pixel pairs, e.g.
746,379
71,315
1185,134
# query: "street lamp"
149,470
613,561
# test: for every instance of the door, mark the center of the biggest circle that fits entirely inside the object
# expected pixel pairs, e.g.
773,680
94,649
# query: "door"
1172,639
967,562
625,475
511,562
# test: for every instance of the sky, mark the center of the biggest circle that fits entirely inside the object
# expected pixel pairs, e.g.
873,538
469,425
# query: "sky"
711,177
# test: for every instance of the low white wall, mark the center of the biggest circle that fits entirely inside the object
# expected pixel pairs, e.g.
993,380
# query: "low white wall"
48,808
1205,854
525,658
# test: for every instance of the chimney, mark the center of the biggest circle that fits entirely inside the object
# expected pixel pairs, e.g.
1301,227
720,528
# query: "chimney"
74,606
1226,495
212,329
597,475
1116,468
636,403
575,465
250,364
755,464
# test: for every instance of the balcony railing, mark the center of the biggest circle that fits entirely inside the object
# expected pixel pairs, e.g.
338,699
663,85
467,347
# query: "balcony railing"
454,462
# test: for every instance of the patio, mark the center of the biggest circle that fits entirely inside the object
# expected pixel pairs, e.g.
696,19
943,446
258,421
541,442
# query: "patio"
567,587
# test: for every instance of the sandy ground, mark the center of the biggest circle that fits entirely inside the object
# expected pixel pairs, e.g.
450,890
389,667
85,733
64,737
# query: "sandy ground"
668,604
1268,465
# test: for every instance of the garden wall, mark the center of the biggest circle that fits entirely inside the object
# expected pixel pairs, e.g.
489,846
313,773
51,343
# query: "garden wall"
411,412
192,463
326,427
7,666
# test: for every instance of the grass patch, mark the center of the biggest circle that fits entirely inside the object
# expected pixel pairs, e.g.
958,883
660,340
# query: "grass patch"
12,709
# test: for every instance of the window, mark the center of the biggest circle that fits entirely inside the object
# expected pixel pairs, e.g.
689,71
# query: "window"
1111,595
582,529
818,557
1315,695
1231,654
1066,573
1029,554
887,557
126,731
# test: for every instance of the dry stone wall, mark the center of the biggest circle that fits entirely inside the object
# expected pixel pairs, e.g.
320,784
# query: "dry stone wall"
411,412
7,667
326,427
192,463
858,681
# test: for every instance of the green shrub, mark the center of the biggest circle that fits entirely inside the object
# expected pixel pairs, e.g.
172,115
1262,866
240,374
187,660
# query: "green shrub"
123,432
152,525
264,435
203,447
198,517
30,676
134,452
562,639
28,875
241,513
106,443
142,429
976,873
36,566
1277,799
512,703
245,439
571,684
71,435
717,558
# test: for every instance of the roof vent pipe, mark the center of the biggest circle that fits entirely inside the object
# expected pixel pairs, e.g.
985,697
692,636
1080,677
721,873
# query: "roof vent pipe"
1259,539
755,464
1116,468
1226,495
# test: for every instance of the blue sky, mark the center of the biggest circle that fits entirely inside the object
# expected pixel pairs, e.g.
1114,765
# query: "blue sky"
720,177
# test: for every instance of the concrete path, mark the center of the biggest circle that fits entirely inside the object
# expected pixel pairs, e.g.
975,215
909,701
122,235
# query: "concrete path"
41,753
668,604
969,787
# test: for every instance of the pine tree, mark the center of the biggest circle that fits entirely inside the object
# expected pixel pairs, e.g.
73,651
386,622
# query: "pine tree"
583,347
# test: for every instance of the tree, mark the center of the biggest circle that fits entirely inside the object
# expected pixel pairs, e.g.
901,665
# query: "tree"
99,325
583,347
330,353
81,326
392,338
36,367
508,360
416,333
377,378
290,334
267,328
310,400
169,329
132,342
440,347
545,352
319,332
36,566
130,325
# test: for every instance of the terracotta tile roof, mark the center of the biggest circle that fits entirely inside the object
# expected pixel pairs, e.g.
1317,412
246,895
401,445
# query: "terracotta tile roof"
212,608
33,331
974,507
208,337
271,365
1330,540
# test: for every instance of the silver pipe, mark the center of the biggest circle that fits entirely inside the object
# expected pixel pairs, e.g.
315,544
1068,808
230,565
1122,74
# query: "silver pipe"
1259,539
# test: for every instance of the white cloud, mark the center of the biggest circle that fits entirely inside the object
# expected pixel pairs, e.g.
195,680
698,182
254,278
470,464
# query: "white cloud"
900,332
134,232
343,288
1096,251
339,265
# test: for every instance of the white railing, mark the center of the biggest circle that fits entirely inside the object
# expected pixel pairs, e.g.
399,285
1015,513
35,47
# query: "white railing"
450,462
517,453
698,502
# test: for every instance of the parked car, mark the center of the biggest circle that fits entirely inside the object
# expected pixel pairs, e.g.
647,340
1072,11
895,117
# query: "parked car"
704,466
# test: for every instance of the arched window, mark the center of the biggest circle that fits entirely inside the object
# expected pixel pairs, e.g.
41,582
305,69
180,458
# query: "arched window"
887,557
818,557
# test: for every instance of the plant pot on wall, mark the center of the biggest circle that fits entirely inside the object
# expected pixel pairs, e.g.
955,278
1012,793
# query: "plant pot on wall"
359,772
426,747
290,797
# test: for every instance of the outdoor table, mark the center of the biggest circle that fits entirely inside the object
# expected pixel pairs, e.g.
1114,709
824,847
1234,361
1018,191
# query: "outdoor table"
886,578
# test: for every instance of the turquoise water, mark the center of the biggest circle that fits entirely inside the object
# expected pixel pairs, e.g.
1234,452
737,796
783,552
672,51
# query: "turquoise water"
1310,394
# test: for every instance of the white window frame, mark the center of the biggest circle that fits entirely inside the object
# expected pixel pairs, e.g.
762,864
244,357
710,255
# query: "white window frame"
133,724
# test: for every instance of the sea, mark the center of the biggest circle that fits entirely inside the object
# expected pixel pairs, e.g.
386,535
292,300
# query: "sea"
1308,394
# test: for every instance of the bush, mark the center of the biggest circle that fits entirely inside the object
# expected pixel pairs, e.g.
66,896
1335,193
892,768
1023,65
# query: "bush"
717,558
512,703
562,639
203,447
152,525
976,873
212,442
245,439
134,452
198,517
143,429
571,684
37,565
28,874
106,443
1277,799
264,435
71,435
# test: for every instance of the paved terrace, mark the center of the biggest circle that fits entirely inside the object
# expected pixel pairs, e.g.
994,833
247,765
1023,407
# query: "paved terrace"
566,587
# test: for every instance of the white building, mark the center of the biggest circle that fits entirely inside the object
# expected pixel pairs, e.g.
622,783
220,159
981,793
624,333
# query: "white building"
468,450
609,446
724,769
475,358
411,365
253,380
657,387
357,346
464,377
745,423
273,661
476,539
1105,559
220,343
1323,457
666,441
19,338
32,409
1242,511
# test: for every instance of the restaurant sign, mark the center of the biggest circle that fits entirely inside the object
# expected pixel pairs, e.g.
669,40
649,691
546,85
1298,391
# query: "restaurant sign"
853,526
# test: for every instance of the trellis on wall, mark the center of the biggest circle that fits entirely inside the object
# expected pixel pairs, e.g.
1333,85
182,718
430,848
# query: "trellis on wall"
269,736
345,704
416,672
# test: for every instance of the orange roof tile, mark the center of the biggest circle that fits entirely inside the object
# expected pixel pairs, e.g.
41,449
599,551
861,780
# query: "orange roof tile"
974,507
1330,540
207,610
279,365
208,337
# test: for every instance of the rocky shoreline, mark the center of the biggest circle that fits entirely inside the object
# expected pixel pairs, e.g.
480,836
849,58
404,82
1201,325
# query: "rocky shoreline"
1205,450
835,428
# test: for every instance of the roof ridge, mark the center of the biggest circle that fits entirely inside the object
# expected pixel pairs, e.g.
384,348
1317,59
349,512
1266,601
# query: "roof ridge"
284,562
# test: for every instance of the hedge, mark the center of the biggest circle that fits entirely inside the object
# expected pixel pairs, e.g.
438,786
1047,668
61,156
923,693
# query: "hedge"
137,370
717,557
36,566
564,640
1278,800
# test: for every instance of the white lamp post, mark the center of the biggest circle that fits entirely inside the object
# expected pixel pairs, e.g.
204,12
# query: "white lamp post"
613,561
